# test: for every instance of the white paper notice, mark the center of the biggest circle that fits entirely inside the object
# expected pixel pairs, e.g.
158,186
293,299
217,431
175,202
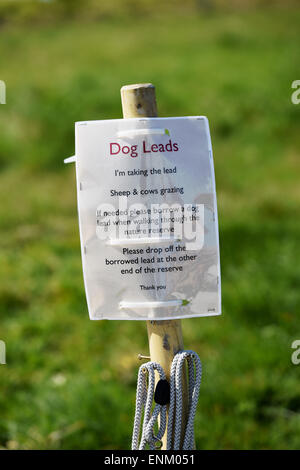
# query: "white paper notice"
148,218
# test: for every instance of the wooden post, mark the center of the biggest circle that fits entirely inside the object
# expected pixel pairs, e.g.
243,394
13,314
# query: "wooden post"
165,337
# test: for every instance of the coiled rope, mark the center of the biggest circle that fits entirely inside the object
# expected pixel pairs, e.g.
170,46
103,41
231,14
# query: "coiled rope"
144,401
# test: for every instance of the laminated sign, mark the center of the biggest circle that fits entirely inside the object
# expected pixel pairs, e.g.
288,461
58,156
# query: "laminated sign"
148,218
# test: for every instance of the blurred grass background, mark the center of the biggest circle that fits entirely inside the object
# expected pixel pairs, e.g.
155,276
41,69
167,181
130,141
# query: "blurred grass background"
69,383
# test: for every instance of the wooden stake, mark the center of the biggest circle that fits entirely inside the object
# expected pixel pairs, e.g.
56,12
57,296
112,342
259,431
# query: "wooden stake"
165,337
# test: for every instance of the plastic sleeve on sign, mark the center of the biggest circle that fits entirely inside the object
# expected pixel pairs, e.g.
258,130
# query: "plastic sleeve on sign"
70,159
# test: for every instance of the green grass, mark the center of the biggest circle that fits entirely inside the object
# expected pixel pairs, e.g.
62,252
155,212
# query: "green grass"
69,383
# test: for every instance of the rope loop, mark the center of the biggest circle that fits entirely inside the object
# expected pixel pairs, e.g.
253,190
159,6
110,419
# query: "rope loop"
144,400
144,404
194,368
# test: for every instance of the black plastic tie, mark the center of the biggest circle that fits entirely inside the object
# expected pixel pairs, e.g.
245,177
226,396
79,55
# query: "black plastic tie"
162,392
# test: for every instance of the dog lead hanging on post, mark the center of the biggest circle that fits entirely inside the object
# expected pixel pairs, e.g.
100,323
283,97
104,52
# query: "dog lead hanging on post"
171,394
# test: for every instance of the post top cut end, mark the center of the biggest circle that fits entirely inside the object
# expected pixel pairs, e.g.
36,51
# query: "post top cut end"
138,100
137,85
